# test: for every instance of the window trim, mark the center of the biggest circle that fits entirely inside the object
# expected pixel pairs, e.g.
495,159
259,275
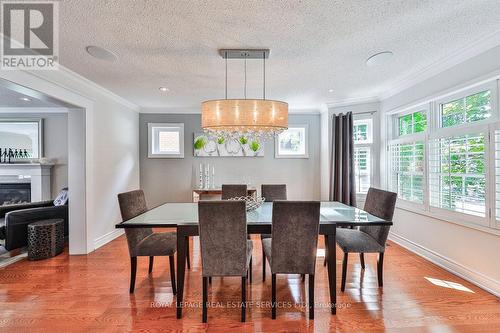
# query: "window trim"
368,118
489,223
180,130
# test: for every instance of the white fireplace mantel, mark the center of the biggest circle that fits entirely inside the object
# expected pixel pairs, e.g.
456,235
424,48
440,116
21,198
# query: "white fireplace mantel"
36,174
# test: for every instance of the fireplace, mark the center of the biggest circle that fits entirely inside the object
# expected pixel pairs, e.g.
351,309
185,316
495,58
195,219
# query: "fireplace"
14,193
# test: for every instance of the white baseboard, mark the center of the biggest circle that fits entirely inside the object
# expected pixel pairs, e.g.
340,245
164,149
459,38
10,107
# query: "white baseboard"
477,278
105,239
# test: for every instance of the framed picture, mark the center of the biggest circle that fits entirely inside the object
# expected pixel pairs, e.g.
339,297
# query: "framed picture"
205,146
293,143
24,135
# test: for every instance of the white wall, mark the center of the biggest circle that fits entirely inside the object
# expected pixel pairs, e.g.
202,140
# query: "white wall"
470,253
111,149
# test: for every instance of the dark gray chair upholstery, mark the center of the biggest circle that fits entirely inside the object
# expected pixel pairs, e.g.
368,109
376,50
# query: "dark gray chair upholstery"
295,228
232,191
369,239
225,250
270,192
143,241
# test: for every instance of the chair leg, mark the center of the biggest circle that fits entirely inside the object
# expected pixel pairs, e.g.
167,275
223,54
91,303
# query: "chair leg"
188,256
273,296
362,259
263,265
311,296
344,271
151,259
326,254
205,299
133,271
250,270
172,274
243,298
380,269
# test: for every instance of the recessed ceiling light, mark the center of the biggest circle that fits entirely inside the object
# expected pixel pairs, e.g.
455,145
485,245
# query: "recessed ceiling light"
379,58
164,89
25,99
330,90
101,53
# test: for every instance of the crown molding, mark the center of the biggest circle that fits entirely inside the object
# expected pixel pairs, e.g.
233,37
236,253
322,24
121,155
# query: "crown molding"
88,85
443,64
352,101
26,110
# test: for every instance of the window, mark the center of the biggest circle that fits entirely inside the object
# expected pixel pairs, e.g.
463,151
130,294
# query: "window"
165,140
362,131
457,174
363,140
440,155
467,109
415,122
407,171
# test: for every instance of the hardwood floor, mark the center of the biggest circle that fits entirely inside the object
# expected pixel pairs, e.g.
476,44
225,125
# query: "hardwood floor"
90,294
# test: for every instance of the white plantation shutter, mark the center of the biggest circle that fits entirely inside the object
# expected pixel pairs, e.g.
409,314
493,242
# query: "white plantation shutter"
457,173
407,171
362,169
497,174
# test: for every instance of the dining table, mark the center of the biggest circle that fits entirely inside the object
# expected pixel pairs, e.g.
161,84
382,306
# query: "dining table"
184,218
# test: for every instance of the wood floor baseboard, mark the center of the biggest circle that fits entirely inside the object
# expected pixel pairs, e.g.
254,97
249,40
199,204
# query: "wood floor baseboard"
482,281
105,239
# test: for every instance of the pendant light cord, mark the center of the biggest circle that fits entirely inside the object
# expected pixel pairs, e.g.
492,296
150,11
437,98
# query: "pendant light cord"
264,75
225,56
245,76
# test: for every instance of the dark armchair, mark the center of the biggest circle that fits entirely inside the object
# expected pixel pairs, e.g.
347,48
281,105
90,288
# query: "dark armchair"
14,219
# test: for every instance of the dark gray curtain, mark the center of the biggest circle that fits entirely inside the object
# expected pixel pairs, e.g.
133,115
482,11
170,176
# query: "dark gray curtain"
342,186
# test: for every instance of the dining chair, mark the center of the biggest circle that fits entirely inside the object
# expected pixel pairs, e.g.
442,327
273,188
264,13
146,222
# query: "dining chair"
292,246
233,191
270,192
143,242
368,239
225,250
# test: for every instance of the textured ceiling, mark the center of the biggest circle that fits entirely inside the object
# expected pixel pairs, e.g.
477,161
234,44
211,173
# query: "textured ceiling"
315,45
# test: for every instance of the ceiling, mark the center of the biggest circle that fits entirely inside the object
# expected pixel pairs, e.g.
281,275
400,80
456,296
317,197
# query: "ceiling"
315,45
12,95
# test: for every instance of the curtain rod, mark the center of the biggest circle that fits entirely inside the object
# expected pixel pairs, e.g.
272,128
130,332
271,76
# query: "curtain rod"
355,113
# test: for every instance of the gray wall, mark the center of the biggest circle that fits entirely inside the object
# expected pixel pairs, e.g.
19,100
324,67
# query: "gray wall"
55,144
171,180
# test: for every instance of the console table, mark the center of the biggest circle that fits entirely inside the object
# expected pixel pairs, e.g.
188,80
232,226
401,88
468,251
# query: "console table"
198,192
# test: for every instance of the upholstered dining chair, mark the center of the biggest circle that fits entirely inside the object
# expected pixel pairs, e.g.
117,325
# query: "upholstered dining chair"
368,239
225,250
143,241
270,192
232,191
295,226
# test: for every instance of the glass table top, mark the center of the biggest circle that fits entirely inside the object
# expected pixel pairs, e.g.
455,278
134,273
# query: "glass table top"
173,214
